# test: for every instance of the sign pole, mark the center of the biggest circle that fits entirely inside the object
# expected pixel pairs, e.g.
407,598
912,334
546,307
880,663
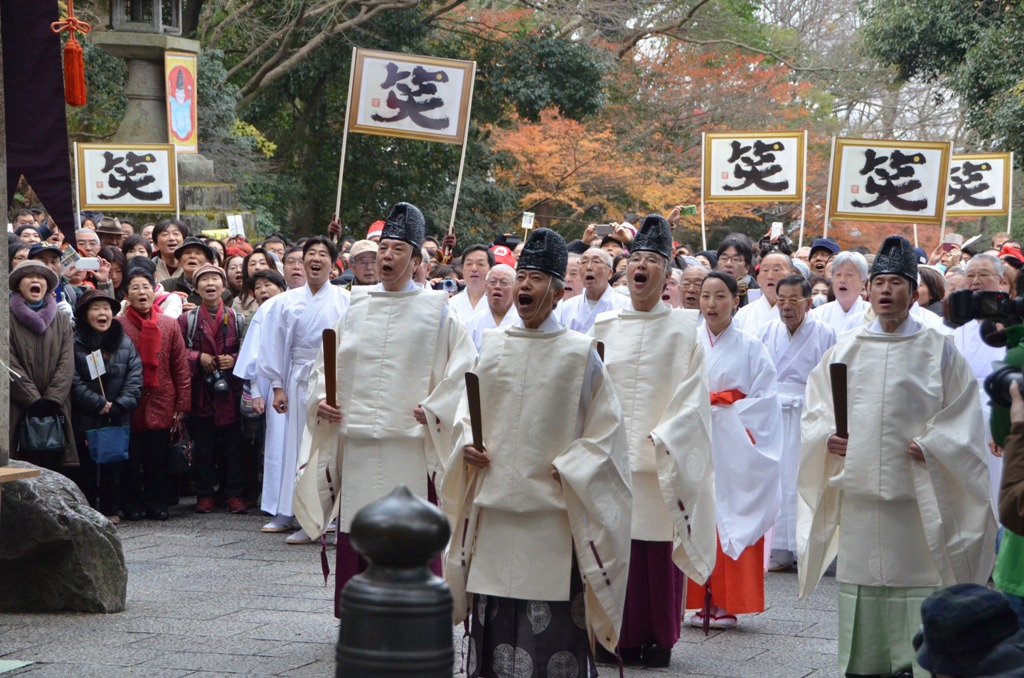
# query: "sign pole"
344,135
915,236
1009,201
177,184
703,225
465,143
803,198
828,189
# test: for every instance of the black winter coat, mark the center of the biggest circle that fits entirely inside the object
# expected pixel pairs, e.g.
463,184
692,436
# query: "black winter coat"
122,381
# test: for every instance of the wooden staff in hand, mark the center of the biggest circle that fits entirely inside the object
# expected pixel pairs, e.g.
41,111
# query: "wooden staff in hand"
328,408
475,454
836,444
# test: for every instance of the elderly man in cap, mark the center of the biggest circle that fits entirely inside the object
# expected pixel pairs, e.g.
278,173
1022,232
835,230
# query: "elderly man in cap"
667,425
110,232
580,312
903,499
400,364
544,505
291,338
822,249
362,259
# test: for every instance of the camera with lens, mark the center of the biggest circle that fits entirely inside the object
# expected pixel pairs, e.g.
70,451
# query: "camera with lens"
995,307
1000,317
448,285
217,383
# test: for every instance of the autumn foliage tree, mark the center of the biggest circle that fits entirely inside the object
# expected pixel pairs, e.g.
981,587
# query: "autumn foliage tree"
641,153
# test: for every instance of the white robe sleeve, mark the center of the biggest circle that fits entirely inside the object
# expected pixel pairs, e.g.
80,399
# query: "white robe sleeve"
819,481
454,356
596,485
682,446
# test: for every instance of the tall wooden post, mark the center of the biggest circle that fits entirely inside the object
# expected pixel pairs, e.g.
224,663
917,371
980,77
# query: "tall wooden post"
5,333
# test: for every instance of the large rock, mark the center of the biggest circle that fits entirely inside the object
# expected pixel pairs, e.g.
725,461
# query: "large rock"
56,552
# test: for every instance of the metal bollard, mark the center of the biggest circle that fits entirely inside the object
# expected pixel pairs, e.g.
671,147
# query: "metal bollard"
396,618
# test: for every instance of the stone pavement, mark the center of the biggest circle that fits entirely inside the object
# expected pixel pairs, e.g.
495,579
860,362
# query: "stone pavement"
212,595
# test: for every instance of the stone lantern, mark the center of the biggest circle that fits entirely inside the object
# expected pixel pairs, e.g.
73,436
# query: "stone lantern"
146,16
140,31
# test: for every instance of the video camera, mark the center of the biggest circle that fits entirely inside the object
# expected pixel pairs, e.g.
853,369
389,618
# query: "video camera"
996,311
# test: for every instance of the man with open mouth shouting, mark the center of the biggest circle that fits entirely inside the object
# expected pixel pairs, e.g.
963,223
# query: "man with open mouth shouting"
668,423
401,360
291,341
544,504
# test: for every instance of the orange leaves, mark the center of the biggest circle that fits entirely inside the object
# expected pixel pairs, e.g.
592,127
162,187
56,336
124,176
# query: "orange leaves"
567,162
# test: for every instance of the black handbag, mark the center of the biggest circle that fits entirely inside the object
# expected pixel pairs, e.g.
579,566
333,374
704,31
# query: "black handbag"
181,450
42,430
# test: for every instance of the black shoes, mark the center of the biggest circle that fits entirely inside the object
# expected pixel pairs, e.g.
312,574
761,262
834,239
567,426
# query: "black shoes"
650,656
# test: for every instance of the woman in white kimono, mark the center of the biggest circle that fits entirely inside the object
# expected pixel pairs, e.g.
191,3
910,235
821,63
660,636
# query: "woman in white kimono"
746,445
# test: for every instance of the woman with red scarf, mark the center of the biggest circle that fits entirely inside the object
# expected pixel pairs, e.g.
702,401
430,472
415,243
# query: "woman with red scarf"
746,445
165,397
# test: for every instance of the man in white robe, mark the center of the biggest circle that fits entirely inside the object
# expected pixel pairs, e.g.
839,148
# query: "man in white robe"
400,366
278,483
477,260
291,338
668,431
755,315
796,343
984,274
849,273
904,501
580,312
499,311
545,505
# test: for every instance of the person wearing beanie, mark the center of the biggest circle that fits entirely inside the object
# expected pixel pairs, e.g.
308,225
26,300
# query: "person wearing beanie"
290,339
108,400
904,499
538,486
401,356
668,424
41,362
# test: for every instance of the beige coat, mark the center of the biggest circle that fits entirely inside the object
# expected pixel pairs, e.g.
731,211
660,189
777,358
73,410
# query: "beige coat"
46,364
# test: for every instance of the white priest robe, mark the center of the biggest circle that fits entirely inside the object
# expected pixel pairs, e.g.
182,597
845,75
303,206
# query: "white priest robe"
980,356
833,314
291,338
515,528
579,314
746,473
921,315
396,350
893,521
482,319
668,428
794,356
463,308
279,460
755,315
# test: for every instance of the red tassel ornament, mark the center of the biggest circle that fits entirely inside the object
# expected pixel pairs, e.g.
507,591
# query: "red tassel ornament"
74,63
